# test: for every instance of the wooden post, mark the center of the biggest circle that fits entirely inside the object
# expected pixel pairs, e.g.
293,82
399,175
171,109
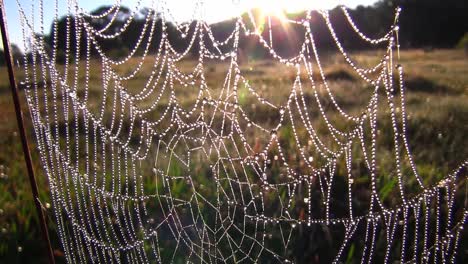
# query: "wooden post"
24,140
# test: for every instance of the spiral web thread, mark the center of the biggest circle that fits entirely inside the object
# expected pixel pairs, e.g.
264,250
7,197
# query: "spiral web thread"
138,175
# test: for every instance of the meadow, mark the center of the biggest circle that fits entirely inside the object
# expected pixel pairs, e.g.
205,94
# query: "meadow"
437,92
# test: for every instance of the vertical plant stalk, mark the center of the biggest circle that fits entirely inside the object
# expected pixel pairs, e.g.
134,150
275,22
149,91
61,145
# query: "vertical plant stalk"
24,140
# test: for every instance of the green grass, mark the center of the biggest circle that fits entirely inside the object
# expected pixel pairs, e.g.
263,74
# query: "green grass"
437,96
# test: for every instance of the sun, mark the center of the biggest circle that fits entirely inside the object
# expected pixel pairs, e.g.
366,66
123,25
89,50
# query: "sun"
280,7
274,11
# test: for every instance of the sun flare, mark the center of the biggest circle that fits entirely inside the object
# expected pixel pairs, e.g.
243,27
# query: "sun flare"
279,7
274,11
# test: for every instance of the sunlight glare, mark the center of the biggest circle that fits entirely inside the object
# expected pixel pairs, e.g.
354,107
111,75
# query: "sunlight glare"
274,11
277,7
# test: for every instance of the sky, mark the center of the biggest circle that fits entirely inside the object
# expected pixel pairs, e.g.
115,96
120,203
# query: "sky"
212,11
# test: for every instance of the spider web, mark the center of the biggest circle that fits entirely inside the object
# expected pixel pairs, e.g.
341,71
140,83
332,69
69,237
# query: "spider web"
180,168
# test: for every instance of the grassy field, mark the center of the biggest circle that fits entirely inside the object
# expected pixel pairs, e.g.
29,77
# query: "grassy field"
437,96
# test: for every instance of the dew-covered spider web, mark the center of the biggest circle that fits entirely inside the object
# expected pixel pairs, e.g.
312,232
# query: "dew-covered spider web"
173,152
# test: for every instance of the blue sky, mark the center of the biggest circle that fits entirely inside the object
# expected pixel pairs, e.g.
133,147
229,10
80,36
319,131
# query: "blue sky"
213,11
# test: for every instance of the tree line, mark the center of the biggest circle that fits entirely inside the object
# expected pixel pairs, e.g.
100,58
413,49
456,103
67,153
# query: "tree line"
423,24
